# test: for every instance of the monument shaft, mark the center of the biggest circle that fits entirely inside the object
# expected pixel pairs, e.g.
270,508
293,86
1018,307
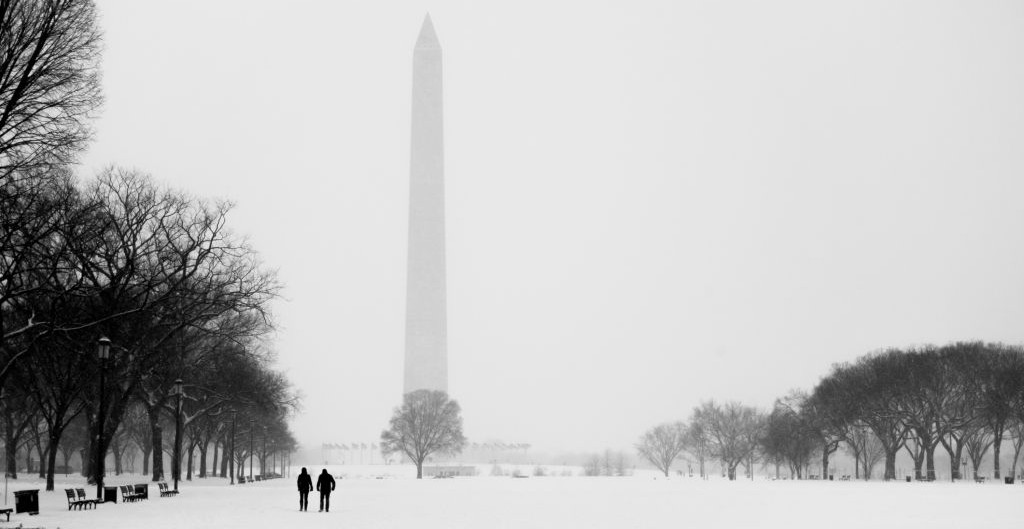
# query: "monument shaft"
426,340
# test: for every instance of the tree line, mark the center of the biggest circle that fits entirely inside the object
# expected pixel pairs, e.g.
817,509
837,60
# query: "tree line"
156,273
966,398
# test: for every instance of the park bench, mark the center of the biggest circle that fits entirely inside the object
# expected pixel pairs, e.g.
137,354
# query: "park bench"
73,501
83,498
165,490
127,494
7,512
979,479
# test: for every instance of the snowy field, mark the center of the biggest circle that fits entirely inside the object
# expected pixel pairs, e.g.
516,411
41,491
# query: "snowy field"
398,501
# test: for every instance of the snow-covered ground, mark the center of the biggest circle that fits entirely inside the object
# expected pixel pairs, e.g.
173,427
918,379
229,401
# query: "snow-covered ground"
395,500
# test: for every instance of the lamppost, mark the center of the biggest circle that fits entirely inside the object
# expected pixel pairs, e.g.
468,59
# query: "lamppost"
252,424
232,460
103,352
176,463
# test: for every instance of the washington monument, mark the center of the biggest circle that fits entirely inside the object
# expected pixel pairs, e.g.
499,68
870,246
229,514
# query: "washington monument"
426,327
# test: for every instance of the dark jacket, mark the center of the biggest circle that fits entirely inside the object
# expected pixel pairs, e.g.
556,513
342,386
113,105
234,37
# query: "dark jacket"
305,483
325,483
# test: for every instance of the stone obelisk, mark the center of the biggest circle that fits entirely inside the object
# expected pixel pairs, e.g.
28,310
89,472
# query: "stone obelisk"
426,327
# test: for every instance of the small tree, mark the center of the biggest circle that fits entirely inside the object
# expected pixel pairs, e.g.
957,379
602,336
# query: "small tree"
732,430
427,422
593,466
662,444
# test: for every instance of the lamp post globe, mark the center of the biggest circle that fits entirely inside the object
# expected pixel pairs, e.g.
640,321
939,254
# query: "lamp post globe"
103,348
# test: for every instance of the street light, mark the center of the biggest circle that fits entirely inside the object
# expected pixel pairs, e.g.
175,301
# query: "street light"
232,460
252,424
103,352
176,463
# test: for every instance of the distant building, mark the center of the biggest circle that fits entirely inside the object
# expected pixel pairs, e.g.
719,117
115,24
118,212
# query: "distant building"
448,471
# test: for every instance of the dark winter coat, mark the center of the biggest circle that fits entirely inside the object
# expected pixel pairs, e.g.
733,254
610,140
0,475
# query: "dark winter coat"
325,483
305,483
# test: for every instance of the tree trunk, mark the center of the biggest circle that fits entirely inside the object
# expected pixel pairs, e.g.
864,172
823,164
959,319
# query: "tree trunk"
43,456
188,472
419,470
224,457
83,456
157,433
824,460
996,445
117,449
145,460
202,459
890,464
929,456
51,457
11,450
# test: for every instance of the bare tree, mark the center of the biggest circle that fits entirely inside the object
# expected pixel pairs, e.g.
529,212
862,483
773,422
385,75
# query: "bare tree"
49,82
870,393
1000,384
789,435
733,430
427,422
18,417
1016,430
662,444
873,451
977,442
697,445
916,450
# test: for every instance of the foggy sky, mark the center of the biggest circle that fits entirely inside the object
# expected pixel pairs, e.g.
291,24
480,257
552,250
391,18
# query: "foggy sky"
649,203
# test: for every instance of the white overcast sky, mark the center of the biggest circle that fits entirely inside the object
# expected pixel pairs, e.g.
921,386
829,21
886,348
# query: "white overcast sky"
650,203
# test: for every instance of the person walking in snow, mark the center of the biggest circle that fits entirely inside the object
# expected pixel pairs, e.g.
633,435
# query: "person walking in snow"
305,485
325,484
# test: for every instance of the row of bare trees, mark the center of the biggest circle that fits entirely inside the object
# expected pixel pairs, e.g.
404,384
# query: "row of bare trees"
154,270
728,434
965,397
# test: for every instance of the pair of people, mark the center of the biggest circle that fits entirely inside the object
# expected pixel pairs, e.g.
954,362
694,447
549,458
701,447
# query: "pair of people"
324,484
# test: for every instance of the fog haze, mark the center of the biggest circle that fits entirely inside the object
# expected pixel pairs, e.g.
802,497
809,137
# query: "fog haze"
648,203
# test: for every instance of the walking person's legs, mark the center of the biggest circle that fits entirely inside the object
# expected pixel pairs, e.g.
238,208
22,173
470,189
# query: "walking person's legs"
327,502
